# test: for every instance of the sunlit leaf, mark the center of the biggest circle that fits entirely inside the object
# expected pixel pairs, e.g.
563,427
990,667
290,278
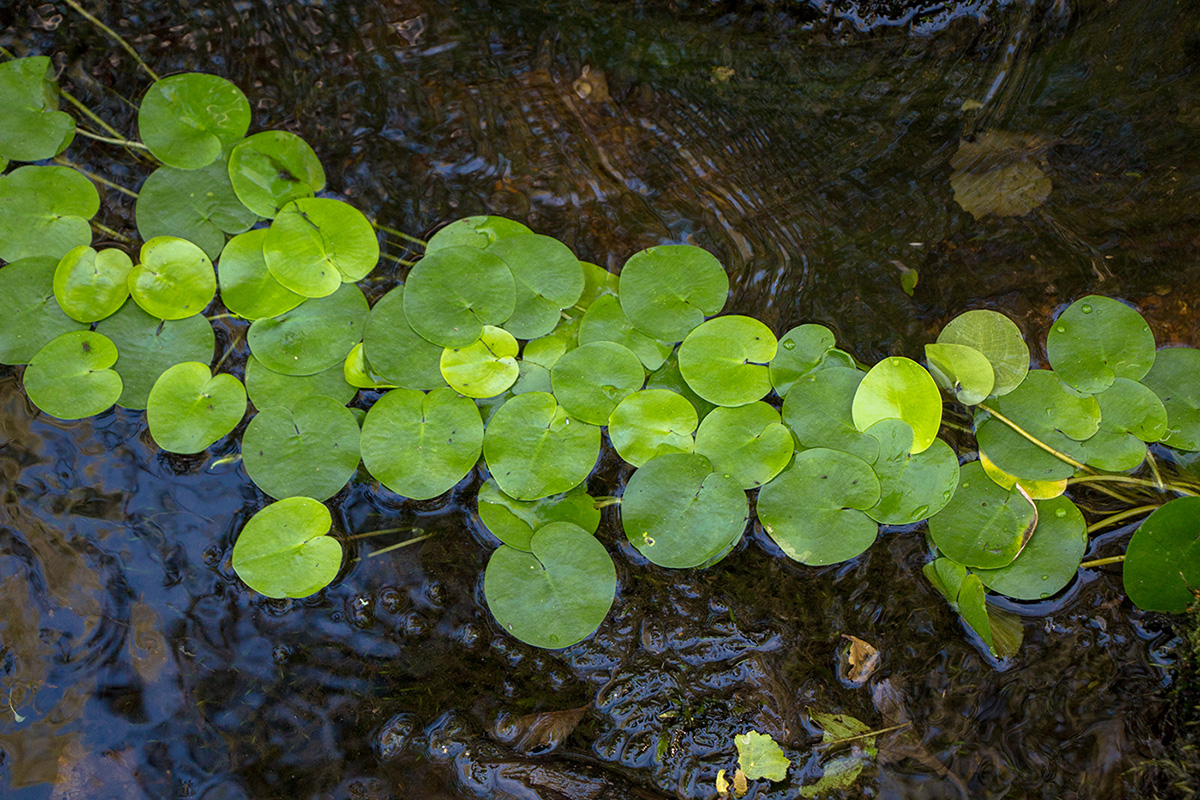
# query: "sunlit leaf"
983,525
189,408
71,377
91,285
311,449
283,551
315,244
248,288
173,280
652,423
1173,379
484,368
900,388
800,352
270,169
1000,341
962,371
186,120
749,443
760,757
1098,339
725,360
547,278
913,487
667,291
819,410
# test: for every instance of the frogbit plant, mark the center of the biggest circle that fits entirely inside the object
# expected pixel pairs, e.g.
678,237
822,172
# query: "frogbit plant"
501,351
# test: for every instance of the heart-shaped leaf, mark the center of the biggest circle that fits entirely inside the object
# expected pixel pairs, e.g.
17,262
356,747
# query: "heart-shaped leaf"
395,350
91,285
70,378
604,321
175,279
725,360
534,449
1049,560
283,550
311,449
962,371
149,346
547,277
189,408
800,351
749,443
34,128
484,368
984,525
453,292
819,410
1173,379
267,388
44,211
667,291
316,244
912,487
652,423
248,288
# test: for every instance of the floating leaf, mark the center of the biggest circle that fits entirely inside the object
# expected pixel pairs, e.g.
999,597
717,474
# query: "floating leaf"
1162,561
513,521
484,368
912,487
396,351
547,277
267,388
725,360
819,410
597,282
1049,560
70,378
1037,490
678,513
900,388
90,285
1173,379
961,370
175,279
1130,416
149,346
453,292
1000,631
187,120
359,373
749,443
1098,339
760,757
800,351
270,169
193,204
534,449
311,449
592,379
32,317
557,594
477,232
316,244
984,525
604,321
652,423
814,509
313,336
668,377
420,445
189,408
44,211
667,291
248,288
34,128
545,351
996,174
1000,341
283,550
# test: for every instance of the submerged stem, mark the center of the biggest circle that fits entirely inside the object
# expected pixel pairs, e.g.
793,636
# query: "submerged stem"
107,231
1100,562
394,232
111,140
1159,485
380,532
116,36
87,112
1121,517
398,545
94,177
1060,456
605,502
866,735
397,259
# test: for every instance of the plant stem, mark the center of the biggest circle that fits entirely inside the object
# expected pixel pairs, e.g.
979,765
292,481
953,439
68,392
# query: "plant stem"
87,112
116,36
395,232
1159,485
1060,456
605,502
96,178
398,545
228,351
1121,517
380,532
110,140
866,735
107,231
1100,562
954,426
397,259
216,317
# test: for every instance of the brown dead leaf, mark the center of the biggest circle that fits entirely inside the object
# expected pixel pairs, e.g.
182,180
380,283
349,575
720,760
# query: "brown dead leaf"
900,744
863,659
147,646
740,787
999,174
541,732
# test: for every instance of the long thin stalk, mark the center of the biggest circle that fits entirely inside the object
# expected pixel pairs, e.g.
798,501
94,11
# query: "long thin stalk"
110,140
1158,485
352,537
87,112
96,178
116,36
107,231
398,545
394,232
1121,517
867,735
1060,456
1100,562
398,260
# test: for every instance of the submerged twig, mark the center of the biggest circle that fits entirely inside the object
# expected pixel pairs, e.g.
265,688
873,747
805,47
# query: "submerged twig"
116,36
94,177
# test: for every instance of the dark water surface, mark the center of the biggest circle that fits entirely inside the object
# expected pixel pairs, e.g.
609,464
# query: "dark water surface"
809,146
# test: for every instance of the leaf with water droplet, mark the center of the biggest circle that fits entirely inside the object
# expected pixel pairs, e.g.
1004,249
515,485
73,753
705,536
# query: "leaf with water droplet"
913,487
725,360
1098,339
1049,560
801,351
667,291
652,423
1130,416
900,388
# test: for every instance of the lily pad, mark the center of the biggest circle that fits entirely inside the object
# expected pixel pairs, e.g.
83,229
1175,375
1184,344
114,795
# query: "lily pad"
984,525
819,410
189,408
1130,416
283,550
760,757
597,282
534,449
545,351
248,288
557,594
678,513
725,360
484,368
478,232
1173,379
175,279
44,211
547,277
420,445
1098,339
359,372
592,379
187,120
268,388
71,377
962,371
271,169
900,388
604,321
814,510
652,423
1000,341
396,351
313,336
311,449
669,377
1162,561
453,292
316,244
1049,560
34,128
912,487
800,351
667,291
91,285
32,317
149,346
513,521
1037,490
999,630
194,204
749,443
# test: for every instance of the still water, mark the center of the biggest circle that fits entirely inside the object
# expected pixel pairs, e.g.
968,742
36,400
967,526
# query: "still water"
808,145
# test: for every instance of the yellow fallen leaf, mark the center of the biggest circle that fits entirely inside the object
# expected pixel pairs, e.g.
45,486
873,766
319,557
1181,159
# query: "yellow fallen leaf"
863,659
740,787
722,784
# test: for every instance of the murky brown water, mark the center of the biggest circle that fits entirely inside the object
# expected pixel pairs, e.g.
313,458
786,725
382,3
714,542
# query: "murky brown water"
810,152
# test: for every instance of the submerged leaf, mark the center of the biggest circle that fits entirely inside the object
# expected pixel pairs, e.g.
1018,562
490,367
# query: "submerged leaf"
996,174
759,756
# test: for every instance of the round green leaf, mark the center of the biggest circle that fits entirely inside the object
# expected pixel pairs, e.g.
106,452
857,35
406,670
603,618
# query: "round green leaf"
44,211
194,204
513,521
534,449
984,525
961,370
1173,379
33,127
359,373
419,445
313,336
1000,341
396,351
1162,561
725,360
678,513
912,487
800,351
604,321
316,244
90,285
667,291
748,443
592,379
597,281
818,410
453,292
268,388
477,232
283,550
248,288
1130,416
310,450
547,278
668,377
149,346
814,509
760,757
175,279
70,378
557,594
484,368
652,423
187,120
32,317
900,388
189,408
1098,339
1049,560
270,169
545,351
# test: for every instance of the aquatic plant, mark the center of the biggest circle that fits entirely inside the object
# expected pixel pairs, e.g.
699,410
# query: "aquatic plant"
501,351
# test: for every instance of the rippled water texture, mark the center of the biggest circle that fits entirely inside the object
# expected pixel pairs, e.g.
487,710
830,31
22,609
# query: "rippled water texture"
809,146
